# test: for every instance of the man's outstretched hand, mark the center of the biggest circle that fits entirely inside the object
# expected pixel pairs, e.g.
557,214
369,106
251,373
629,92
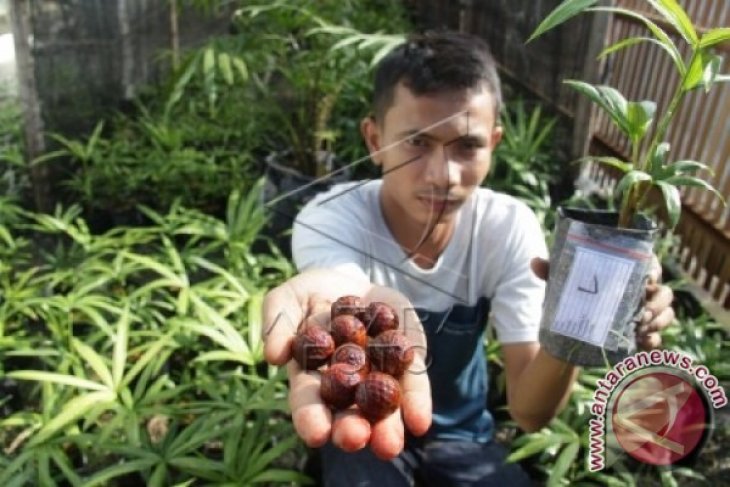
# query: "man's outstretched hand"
308,296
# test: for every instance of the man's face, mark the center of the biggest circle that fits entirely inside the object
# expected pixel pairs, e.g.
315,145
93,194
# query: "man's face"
434,151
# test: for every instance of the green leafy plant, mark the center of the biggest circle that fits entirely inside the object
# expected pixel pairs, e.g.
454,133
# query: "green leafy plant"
524,163
135,356
649,165
316,55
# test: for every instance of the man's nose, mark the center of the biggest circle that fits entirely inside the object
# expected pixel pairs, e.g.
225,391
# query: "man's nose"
441,170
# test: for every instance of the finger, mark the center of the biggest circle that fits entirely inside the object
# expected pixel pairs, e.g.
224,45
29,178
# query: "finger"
319,310
416,397
387,438
649,341
415,386
658,323
658,301
655,270
312,419
350,431
282,313
540,267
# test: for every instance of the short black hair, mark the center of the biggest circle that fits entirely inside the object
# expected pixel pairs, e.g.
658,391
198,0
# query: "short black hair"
435,62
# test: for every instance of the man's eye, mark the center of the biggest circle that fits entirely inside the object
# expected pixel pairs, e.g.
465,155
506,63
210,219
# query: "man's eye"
471,145
416,141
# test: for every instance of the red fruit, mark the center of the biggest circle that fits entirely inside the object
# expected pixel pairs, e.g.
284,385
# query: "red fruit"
339,385
353,355
346,305
391,353
380,317
312,346
348,329
377,396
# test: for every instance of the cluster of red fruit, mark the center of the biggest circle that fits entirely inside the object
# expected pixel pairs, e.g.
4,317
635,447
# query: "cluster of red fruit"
364,354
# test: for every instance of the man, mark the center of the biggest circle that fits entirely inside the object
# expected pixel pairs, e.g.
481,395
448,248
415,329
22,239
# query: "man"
428,239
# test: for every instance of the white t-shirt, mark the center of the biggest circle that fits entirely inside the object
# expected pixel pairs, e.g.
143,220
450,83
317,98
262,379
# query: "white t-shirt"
488,255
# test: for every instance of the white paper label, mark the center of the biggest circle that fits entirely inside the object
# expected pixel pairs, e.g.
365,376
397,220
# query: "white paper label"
592,294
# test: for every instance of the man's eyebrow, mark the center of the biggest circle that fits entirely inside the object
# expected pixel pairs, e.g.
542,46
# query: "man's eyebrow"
411,132
474,138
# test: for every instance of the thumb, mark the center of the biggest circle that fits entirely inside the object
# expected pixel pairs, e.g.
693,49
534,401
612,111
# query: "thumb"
540,267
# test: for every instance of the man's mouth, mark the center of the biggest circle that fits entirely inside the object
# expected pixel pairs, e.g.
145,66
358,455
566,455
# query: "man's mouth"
439,204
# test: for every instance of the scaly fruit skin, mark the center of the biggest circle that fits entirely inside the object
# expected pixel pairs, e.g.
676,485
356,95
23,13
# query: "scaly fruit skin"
346,305
377,396
353,355
348,329
339,385
312,347
379,317
391,353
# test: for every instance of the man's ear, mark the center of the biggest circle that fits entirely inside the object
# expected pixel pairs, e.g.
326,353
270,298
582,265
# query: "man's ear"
496,136
371,135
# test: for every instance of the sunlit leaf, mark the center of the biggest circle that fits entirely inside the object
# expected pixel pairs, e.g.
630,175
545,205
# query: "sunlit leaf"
565,11
538,444
665,41
672,201
224,66
608,98
659,158
209,61
67,380
673,12
240,66
150,354
562,464
694,182
687,166
72,410
94,361
624,43
703,70
714,37
630,179
639,116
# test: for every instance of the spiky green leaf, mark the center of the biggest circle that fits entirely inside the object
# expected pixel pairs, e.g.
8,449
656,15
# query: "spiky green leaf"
537,444
672,202
67,380
639,117
94,361
673,12
714,37
72,410
630,179
565,459
703,70
565,11
662,37
694,182
606,97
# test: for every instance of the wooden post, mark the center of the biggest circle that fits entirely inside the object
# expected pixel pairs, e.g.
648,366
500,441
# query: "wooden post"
583,127
127,59
466,14
35,145
174,34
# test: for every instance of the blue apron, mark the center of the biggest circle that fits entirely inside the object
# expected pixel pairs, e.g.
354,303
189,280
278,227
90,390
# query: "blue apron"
457,369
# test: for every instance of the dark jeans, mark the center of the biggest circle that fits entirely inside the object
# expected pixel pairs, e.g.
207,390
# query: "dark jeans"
434,463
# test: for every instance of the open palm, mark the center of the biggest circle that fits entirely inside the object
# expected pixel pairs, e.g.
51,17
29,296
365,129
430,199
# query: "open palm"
308,296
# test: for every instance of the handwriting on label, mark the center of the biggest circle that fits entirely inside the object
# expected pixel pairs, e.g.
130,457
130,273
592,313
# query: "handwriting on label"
592,294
